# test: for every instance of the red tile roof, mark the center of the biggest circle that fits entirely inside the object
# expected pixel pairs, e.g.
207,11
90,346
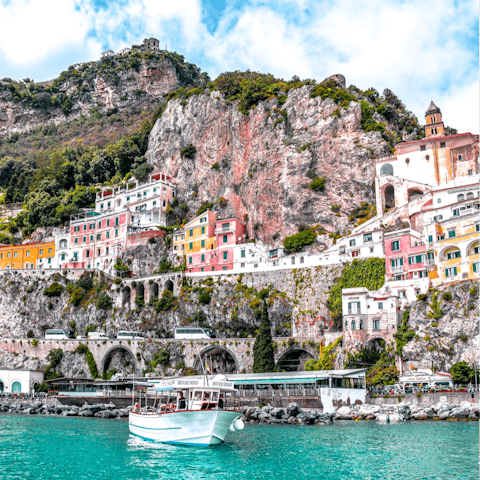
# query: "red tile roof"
437,138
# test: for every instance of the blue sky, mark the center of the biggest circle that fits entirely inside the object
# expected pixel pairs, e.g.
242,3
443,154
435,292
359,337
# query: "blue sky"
419,49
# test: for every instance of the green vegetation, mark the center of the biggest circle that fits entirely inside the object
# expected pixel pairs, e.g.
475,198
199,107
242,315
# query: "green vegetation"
363,213
204,298
317,185
166,302
296,242
104,302
82,349
369,273
54,357
435,312
54,290
462,372
188,152
326,358
263,353
447,296
404,334
204,208
162,357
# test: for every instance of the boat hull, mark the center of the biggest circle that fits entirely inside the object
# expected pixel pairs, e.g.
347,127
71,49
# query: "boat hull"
191,427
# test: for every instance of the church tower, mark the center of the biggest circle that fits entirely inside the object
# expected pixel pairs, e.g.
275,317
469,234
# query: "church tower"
434,126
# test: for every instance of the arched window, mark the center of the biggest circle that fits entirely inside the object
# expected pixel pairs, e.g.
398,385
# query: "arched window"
16,387
469,195
353,324
63,243
461,197
302,260
386,169
346,325
361,324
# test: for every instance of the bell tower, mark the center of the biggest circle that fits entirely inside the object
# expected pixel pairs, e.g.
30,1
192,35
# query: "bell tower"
433,117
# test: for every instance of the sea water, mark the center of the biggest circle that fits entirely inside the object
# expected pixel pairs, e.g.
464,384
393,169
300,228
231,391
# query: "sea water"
48,447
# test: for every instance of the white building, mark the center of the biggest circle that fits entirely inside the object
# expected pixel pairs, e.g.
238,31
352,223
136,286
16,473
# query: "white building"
19,381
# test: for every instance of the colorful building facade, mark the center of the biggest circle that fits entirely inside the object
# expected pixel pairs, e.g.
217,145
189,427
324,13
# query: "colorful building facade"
28,256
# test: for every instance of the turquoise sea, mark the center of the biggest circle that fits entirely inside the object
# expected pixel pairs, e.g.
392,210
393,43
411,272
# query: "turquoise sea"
44,448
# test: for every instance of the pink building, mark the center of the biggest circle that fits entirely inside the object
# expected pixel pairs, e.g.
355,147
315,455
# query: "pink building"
229,232
406,255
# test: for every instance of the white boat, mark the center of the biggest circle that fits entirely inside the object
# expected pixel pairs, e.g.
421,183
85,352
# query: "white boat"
199,416
390,414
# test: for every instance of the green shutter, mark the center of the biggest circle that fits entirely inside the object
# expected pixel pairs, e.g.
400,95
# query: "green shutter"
454,270
401,261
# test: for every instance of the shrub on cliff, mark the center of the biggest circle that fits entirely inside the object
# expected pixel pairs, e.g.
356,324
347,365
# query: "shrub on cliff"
54,357
263,353
317,185
404,334
369,273
204,298
104,302
166,302
326,358
188,152
296,242
54,290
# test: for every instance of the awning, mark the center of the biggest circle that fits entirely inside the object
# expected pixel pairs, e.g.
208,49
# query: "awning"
277,380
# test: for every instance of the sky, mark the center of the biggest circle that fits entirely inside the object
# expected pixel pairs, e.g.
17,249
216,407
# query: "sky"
421,50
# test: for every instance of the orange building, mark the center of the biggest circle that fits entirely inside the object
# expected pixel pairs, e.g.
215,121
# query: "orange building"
27,256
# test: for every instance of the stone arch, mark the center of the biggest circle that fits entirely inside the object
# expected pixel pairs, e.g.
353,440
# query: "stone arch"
449,248
469,250
63,243
153,290
414,193
215,356
2,386
293,359
386,169
16,386
388,197
126,296
107,358
168,285
378,344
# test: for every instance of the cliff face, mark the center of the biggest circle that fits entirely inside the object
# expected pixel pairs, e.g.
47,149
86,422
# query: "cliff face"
263,162
119,82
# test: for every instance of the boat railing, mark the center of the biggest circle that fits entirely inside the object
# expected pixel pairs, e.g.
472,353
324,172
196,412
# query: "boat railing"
288,392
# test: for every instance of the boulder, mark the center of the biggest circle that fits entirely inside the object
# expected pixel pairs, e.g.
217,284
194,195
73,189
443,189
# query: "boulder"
250,411
104,414
277,412
460,412
293,409
343,413
85,413
472,416
444,414
27,411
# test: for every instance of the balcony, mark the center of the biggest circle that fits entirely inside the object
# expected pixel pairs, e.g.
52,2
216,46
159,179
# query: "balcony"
430,261
222,229
396,269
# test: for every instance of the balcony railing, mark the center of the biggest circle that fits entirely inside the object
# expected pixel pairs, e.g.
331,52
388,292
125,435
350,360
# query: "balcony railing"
397,269
220,230
430,261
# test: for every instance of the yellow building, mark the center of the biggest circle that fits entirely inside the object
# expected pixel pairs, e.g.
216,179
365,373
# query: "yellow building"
457,249
27,256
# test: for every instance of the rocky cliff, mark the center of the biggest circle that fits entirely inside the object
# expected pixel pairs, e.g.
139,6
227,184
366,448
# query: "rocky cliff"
263,163
135,79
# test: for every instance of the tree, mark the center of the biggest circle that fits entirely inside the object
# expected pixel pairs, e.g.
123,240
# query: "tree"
461,372
263,355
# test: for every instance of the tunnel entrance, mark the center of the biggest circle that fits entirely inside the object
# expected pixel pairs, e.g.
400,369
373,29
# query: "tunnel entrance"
293,360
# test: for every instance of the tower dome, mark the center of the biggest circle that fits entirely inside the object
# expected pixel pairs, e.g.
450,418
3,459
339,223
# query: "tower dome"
432,109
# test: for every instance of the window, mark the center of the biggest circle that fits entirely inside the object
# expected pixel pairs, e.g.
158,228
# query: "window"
477,227
190,245
99,236
437,218
106,250
62,256
476,267
144,194
76,240
203,243
440,237
225,226
225,239
9,254
361,325
376,324
101,206
402,294
293,260
108,222
302,260
356,253
76,229
461,197
108,234
367,237
453,254
116,232
423,148
84,239
84,227
451,272
423,274
224,268
190,233
416,259
242,253
352,243
155,203
119,202
386,169
353,307
442,144
203,220
439,200
353,324
203,230
469,195
28,253
346,325
128,199
451,233
164,203
117,221
189,259
430,238
15,254
92,226
203,257
397,262
371,249
380,305
470,172
49,250
242,265
87,253
99,224
108,205
395,245
41,251
201,269
98,252
225,255
475,249
91,238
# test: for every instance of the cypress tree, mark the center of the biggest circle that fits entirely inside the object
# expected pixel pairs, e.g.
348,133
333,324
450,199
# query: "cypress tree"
263,355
